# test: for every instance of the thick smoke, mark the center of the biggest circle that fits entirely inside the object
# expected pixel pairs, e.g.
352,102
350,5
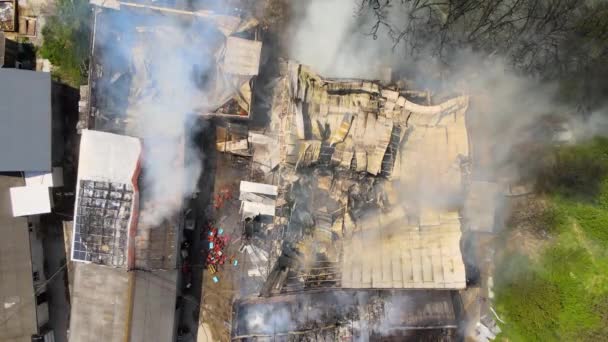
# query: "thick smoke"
333,38
163,68
167,61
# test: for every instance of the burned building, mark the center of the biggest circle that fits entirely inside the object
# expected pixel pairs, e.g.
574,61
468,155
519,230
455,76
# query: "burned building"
110,298
371,178
419,315
371,184
221,54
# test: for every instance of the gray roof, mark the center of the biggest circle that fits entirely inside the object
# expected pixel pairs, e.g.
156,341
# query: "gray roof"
25,113
103,297
154,296
17,301
100,303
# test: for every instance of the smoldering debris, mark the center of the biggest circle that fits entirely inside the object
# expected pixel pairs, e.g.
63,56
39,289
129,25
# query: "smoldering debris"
349,316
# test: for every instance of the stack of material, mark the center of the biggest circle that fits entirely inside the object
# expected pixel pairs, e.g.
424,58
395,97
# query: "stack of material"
217,243
257,199
233,139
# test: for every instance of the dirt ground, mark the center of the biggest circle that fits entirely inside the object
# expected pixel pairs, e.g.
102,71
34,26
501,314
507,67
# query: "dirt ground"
217,298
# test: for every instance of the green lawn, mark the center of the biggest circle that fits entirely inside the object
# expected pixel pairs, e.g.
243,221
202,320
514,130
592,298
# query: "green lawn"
563,294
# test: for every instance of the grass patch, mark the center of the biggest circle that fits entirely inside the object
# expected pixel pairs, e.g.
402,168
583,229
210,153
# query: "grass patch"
563,296
578,171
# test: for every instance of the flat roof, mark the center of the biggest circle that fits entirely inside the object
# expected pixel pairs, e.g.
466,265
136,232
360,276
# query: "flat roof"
102,299
154,306
17,300
242,56
30,200
25,113
100,303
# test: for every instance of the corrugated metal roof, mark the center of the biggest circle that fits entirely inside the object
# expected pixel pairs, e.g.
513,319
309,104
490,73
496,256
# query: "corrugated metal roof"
425,258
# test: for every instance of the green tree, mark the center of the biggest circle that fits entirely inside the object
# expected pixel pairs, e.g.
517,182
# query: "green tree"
66,40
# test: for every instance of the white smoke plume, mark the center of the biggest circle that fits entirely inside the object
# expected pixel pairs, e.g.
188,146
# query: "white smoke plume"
163,67
167,60
333,38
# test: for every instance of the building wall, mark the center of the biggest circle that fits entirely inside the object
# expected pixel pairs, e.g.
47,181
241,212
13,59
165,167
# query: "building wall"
1,49
36,250
42,309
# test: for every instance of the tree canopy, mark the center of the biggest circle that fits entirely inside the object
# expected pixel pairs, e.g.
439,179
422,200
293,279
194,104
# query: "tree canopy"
66,40
561,40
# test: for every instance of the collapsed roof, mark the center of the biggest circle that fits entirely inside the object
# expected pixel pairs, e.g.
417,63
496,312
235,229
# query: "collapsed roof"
369,185
349,316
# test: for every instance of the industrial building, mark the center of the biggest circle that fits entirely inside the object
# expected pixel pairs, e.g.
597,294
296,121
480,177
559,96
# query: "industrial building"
370,178
353,198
